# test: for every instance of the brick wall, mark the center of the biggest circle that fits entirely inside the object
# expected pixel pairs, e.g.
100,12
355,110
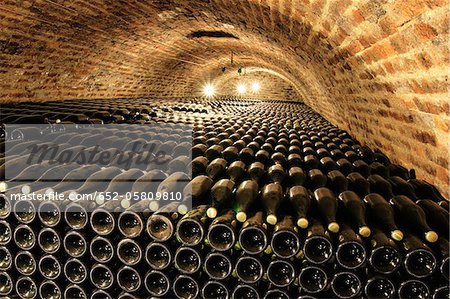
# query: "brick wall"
377,68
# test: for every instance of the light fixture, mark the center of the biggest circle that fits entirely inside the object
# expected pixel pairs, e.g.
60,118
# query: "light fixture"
256,86
209,90
241,88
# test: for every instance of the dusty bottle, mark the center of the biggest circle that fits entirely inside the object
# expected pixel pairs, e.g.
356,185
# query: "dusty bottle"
355,210
300,199
327,206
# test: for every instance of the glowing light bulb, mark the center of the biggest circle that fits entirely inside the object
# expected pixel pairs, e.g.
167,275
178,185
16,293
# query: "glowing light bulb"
241,88
209,90
256,86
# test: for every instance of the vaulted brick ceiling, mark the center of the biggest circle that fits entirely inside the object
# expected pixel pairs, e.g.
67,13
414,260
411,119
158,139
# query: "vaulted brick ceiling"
377,68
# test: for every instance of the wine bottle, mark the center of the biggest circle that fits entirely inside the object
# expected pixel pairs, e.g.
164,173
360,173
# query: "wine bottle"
256,171
200,189
412,217
218,265
381,186
245,291
350,253
221,194
190,229
215,289
221,234
383,214
419,259
413,289
157,283
272,195
317,247
313,279
401,187
379,287
216,168
285,240
300,200
101,249
236,170
358,184
426,190
355,210
327,206
129,252
316,179
158,255
377,168
128,279
101,276
249,269
338,182
344,166
198,165
253,237
185,286
436,217
277,173
296,176
187,260
361,167
281,273
441,249
385,257
246,194
75,244
346,285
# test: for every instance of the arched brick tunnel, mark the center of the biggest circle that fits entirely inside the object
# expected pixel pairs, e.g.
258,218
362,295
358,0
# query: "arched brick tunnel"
378,68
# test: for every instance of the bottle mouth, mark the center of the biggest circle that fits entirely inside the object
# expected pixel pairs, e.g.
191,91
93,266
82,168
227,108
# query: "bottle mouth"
187,260
75,271
26,288
317,249
159,227
280,273
158,256
313,279
101,249
346,285
215,289
102,222
49,240
413,289
128,279
185,287
385,259
49,213
351,255
24,237
25,263
221,237
6,259
74,244
253,240
49,267
218,266
129,252
101,277
249,269
285,243
157,283
24,211
49,289
190,232
379,288
76,216
74,291
420,263
245,291
445,267
130,224
279,294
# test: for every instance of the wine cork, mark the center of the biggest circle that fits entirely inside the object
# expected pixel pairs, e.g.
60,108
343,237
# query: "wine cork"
241,216
397,235
211,212
153,206
271,219
182,209
365,231
333,227
302,222
431,236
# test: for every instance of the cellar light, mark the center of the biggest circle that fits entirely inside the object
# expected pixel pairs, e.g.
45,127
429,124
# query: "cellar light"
209,90
256,86
241,88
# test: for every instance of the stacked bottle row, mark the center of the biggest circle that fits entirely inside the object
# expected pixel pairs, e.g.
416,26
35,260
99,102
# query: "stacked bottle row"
285,205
